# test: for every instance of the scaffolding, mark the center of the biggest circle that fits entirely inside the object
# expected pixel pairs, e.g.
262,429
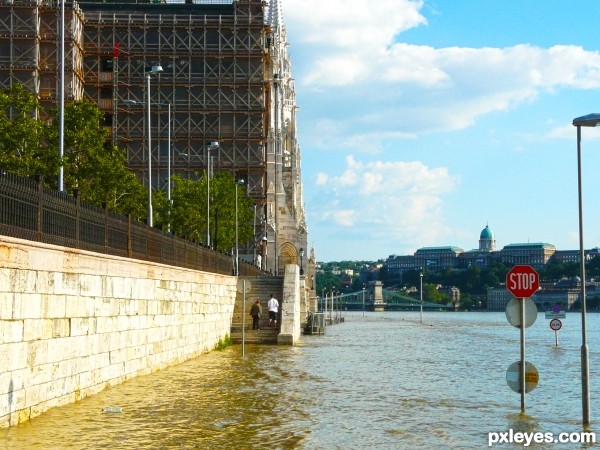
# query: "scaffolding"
29,48
213,59
226,77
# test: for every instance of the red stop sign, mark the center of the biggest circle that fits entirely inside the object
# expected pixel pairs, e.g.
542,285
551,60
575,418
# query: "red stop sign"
522,281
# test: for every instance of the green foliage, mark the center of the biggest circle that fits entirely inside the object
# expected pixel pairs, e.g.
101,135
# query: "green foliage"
23,135
99,173
431,294
328,280
188,212
96,170
223,343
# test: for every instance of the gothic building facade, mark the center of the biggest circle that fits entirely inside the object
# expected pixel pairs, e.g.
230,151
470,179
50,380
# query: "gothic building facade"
219,77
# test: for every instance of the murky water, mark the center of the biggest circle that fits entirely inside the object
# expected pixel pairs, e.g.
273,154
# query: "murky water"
380,382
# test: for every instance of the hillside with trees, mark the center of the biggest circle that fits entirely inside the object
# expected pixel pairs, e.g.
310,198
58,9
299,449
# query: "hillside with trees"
472,282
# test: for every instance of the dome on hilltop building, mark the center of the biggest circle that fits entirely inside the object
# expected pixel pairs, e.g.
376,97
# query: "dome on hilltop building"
487,241
486,233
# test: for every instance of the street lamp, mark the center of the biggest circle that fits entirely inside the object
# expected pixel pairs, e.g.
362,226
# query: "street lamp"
591,120
61,129
301,255
134,102
421,292
211,146
363,300
153,70
237,254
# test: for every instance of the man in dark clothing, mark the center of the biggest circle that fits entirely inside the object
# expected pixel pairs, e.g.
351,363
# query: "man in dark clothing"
256,313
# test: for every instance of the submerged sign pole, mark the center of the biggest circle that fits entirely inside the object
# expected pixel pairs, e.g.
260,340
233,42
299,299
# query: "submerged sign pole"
522,281
522,367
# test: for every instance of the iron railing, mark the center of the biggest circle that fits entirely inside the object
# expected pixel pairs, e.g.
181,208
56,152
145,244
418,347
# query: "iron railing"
30,211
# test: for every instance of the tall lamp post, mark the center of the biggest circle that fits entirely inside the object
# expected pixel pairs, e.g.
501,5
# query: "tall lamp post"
237,254
591,120
61,130
421,292
153,70
211,146
301,265
363,300
134,102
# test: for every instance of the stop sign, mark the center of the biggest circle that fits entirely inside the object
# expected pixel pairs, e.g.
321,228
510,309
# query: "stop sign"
522,281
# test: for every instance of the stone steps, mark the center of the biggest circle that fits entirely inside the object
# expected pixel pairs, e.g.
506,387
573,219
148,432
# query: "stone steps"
261,289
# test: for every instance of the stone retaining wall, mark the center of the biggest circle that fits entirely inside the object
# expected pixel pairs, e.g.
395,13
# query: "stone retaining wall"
73,322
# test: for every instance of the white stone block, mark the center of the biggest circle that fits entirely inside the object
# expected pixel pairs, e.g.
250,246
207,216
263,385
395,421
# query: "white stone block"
11,331
69,284
45,282
27,306
5,274
82,326
90,285
37,329
53,306
13,356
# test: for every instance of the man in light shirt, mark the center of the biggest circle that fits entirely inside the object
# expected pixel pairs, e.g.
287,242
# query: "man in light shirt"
273,307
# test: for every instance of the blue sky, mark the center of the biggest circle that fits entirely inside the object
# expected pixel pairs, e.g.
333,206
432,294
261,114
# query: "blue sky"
421,122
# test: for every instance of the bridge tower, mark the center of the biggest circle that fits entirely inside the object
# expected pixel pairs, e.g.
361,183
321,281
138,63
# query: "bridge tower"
376,295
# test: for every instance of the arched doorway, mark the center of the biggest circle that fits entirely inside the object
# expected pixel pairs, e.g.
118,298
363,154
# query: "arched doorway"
287,255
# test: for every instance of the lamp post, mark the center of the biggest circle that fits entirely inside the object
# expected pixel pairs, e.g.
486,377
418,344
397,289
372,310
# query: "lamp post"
301,265
134,102
363,300
61,130
211,146
169,201
421,292
237,254
153,70
591,120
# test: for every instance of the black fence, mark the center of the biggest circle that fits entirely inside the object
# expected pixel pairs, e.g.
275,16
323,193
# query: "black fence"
30,211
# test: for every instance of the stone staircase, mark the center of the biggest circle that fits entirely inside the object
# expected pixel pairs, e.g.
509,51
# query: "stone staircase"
261,289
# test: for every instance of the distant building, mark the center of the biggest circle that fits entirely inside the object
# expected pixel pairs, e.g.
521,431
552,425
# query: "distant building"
537,255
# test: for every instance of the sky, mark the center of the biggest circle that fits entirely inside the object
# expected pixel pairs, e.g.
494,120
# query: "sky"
423,121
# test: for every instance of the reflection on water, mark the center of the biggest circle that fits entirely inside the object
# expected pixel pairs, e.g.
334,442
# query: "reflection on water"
383,382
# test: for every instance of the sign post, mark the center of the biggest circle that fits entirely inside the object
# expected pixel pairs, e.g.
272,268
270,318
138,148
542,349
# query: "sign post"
555,325
243,287
522,281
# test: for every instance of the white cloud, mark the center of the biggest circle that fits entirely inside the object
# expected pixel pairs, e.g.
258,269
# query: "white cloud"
352,24
391,202
321,179
353,50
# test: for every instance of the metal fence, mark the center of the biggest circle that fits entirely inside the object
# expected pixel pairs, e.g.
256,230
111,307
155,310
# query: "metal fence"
30,211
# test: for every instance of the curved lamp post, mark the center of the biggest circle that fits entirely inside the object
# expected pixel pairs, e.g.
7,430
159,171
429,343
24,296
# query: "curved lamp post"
591,120
152,71
211,146
301,265
239,182
134,102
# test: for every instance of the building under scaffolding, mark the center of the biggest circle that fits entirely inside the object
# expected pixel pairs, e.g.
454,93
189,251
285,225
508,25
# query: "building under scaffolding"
226,78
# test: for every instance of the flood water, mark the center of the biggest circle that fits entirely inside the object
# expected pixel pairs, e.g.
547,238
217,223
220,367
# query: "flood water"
384,381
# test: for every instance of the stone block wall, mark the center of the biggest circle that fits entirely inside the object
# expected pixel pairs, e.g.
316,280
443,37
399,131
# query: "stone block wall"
291,319
73,322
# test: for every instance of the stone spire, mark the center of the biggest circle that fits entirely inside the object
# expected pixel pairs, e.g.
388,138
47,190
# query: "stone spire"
275,17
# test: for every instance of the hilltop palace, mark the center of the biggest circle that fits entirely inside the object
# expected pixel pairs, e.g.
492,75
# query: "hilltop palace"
537,255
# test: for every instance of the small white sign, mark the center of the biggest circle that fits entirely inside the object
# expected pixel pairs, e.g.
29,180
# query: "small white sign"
555,324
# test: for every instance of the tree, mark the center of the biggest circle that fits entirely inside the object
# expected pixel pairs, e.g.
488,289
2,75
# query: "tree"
95,169
188,212
22,147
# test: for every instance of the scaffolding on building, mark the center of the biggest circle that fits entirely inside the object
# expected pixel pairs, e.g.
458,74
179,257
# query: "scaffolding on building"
29,48
226,78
